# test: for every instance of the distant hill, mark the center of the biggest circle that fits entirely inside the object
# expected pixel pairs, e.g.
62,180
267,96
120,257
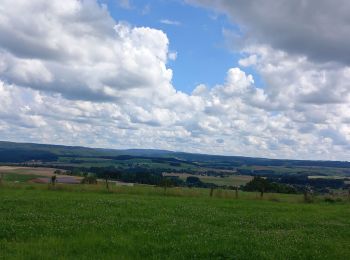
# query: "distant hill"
22,152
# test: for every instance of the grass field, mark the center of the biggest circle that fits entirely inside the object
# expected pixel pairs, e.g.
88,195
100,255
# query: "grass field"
86,222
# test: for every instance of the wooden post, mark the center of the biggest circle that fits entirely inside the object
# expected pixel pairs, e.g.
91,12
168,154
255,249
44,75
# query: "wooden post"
306,195
53,180
1,178
107,184
211,191
262,192
165,186
236,192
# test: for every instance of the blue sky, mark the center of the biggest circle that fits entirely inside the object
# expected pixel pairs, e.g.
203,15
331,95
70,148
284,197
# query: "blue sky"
198,39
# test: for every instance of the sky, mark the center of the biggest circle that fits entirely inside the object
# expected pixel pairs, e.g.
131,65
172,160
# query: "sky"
195,38
229,77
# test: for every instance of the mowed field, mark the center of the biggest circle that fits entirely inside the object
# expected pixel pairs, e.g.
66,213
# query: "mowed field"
27,170
34,174
86,222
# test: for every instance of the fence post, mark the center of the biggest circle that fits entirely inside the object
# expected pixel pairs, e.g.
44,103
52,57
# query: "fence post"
107,184
53,180
306,196
262,192
211,191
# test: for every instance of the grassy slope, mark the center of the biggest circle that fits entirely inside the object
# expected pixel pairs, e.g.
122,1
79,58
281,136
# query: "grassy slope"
60,224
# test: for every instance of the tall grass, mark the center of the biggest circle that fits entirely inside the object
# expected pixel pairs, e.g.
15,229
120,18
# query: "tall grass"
149,190
141,222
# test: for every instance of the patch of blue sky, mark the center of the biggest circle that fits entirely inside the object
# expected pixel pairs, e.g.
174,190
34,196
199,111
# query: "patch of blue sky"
195,34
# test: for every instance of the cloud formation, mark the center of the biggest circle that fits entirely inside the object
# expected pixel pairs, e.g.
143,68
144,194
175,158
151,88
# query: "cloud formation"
70,74
318,29
76,49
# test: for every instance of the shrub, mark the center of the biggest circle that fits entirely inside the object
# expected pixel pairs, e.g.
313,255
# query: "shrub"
89,179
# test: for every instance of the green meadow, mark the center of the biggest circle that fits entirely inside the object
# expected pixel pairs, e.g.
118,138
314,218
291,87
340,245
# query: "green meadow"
143,222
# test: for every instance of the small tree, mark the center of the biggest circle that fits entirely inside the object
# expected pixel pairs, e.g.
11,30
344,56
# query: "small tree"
257,184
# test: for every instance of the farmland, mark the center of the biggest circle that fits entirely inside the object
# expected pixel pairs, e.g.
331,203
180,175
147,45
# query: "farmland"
27,170
145,204
159,167
79,222
35,174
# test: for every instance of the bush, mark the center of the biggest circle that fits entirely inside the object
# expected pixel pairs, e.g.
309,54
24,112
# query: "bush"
89,179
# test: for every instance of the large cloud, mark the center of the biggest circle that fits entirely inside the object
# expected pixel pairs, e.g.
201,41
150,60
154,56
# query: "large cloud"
70,74
318,29
75,48
299,50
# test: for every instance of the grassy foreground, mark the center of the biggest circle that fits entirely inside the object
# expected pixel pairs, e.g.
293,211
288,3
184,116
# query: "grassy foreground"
60,224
